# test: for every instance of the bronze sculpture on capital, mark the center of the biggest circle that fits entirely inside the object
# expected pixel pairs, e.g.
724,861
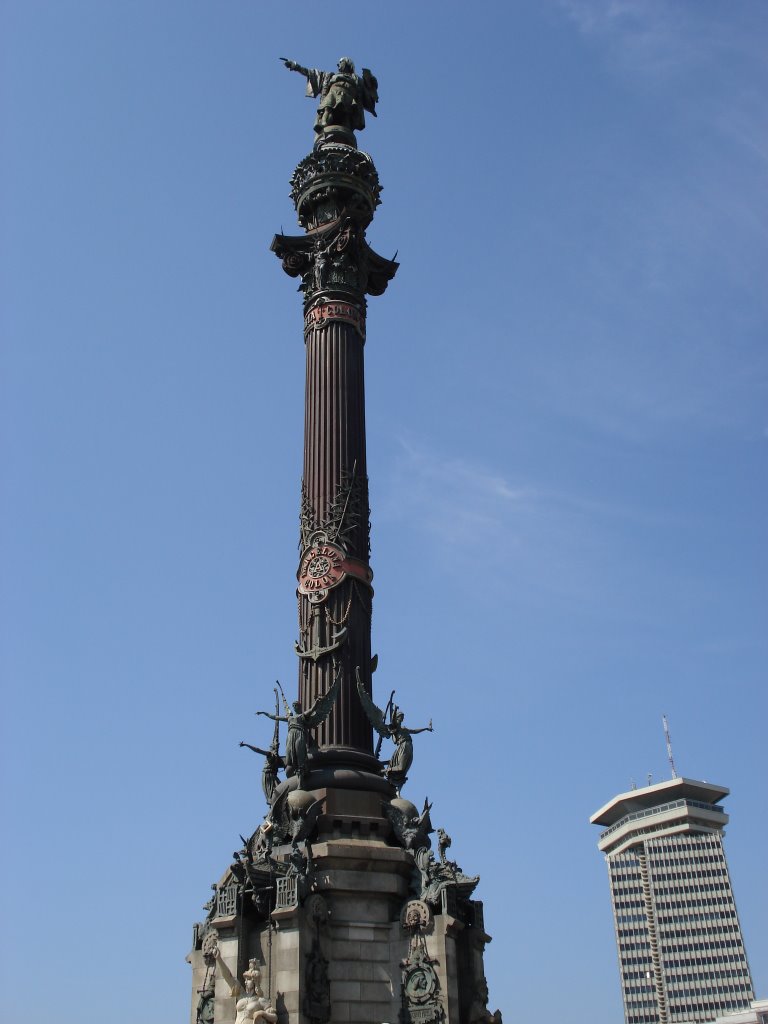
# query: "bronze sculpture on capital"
396,770
297,750
344,95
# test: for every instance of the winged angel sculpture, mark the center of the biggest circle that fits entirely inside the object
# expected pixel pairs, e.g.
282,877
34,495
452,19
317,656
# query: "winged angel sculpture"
344,96
273,762
299,723
396,770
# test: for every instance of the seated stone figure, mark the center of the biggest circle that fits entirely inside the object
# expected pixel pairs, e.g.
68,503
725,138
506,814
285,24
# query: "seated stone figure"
252,1005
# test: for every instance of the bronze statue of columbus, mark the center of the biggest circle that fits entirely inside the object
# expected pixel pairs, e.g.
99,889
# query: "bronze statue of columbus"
344,96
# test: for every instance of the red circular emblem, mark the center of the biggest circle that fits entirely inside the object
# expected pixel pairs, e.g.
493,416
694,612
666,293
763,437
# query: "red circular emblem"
321,568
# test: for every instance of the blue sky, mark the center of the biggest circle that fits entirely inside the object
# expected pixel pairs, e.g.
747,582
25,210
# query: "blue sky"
567,436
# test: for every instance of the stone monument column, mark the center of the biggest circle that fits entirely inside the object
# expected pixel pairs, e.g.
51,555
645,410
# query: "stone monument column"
336,908
335,190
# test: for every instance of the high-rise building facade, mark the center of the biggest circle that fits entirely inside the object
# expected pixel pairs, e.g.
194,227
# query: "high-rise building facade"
756,1014
681,952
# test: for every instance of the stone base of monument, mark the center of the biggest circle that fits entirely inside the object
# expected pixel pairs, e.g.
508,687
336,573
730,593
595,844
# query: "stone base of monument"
365,927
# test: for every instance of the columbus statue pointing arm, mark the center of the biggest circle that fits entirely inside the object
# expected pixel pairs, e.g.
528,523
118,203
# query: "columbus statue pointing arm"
344,95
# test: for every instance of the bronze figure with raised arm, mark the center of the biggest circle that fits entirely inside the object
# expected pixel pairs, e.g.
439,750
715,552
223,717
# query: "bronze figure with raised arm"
396,769
299,724
273,762
344,96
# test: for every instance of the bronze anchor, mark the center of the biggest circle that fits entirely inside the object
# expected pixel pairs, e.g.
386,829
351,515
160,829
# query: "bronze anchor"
315,653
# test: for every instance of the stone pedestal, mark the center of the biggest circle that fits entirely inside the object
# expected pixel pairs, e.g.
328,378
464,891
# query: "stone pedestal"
372,932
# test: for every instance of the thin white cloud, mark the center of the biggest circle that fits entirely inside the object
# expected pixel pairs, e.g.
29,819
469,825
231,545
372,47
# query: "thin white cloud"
676,263
531,542
742,117
464,475
644,30
656,41
660,37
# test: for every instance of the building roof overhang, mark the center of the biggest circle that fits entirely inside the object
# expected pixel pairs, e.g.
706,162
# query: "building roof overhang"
661,792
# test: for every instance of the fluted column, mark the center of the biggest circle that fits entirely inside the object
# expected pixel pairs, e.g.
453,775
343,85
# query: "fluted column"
335,190
335,502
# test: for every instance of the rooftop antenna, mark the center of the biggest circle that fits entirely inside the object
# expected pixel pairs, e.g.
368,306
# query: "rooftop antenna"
670,758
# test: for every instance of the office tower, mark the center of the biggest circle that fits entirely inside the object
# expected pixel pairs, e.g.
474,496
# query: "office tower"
681,953
756,1014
